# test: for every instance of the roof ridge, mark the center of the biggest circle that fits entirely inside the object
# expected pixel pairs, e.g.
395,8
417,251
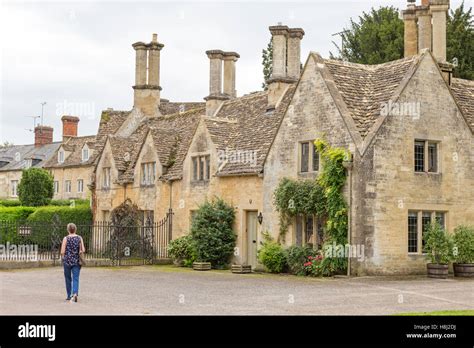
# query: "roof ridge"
371,67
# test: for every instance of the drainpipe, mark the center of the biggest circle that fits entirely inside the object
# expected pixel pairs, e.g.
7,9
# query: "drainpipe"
348,164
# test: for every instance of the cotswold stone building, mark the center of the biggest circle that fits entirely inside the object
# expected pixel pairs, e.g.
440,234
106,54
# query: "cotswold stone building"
408,125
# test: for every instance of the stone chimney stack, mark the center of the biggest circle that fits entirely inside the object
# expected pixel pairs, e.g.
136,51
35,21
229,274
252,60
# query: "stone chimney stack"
147,76
411,32
43,135
215,97
423,16
69,126
439,10
229,73
294,52
285,60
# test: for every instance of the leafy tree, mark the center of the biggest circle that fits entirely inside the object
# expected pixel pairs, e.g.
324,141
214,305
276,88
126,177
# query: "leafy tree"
212,233
460,41
267,61
377,37
36,187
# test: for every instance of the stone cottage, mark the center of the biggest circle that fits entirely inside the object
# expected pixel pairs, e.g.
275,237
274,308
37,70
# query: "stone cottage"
408,125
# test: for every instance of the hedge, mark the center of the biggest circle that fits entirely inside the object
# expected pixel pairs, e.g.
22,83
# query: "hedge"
9,203
41,220
16,213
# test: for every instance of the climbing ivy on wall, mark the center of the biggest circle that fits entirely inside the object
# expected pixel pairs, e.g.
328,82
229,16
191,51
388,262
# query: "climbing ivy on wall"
332,179
322,197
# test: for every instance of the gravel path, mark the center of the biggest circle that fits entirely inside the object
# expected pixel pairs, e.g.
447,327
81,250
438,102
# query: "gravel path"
159,290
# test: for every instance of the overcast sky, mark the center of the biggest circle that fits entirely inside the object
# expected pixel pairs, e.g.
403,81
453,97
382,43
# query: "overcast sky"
78,57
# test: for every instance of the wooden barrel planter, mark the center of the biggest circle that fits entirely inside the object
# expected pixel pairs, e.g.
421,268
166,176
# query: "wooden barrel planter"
463,270
241,269
437,271
201,266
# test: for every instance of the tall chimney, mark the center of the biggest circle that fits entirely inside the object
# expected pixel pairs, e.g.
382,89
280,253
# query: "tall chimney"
147,76
410,34
285,60
229,73
43,135
439,10
215,97
279,37
294,52
424,26
69,126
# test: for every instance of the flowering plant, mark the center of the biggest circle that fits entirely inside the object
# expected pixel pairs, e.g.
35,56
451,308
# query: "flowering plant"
312,267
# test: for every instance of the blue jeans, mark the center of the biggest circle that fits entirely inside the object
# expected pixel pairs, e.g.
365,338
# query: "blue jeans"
71,274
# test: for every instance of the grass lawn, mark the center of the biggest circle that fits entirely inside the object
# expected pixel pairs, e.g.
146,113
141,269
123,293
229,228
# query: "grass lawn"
453,312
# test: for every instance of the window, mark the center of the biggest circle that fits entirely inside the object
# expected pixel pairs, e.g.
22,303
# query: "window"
418,223
426,156
61,156
304,157
412,232
85,154
148,173
309,231
56,187
14,188
106,178
309,157
67,186
80,185
201,168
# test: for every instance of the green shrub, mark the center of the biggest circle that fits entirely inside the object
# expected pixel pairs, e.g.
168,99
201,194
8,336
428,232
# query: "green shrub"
438,244
463,240
9,203
68,202
36,187
273,257
297,256
15,213
78,215
212,233
182,249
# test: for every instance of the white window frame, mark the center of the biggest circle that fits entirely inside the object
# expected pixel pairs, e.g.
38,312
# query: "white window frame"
80,185
85,153
56,187
67,186
148,173
106,178
61,156
14,188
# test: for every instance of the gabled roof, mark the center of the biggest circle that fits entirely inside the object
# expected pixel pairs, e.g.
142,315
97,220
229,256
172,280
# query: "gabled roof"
243,131
74,145
172,135
365,88
463,91
26,153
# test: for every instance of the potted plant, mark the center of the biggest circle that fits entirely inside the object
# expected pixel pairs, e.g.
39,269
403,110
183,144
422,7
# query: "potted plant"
438,246
463,251
180,250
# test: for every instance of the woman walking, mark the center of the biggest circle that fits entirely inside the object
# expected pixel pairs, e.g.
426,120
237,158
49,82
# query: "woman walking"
71,247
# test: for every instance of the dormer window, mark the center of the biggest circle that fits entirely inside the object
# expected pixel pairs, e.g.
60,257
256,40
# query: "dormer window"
85,154
148,173
61,156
